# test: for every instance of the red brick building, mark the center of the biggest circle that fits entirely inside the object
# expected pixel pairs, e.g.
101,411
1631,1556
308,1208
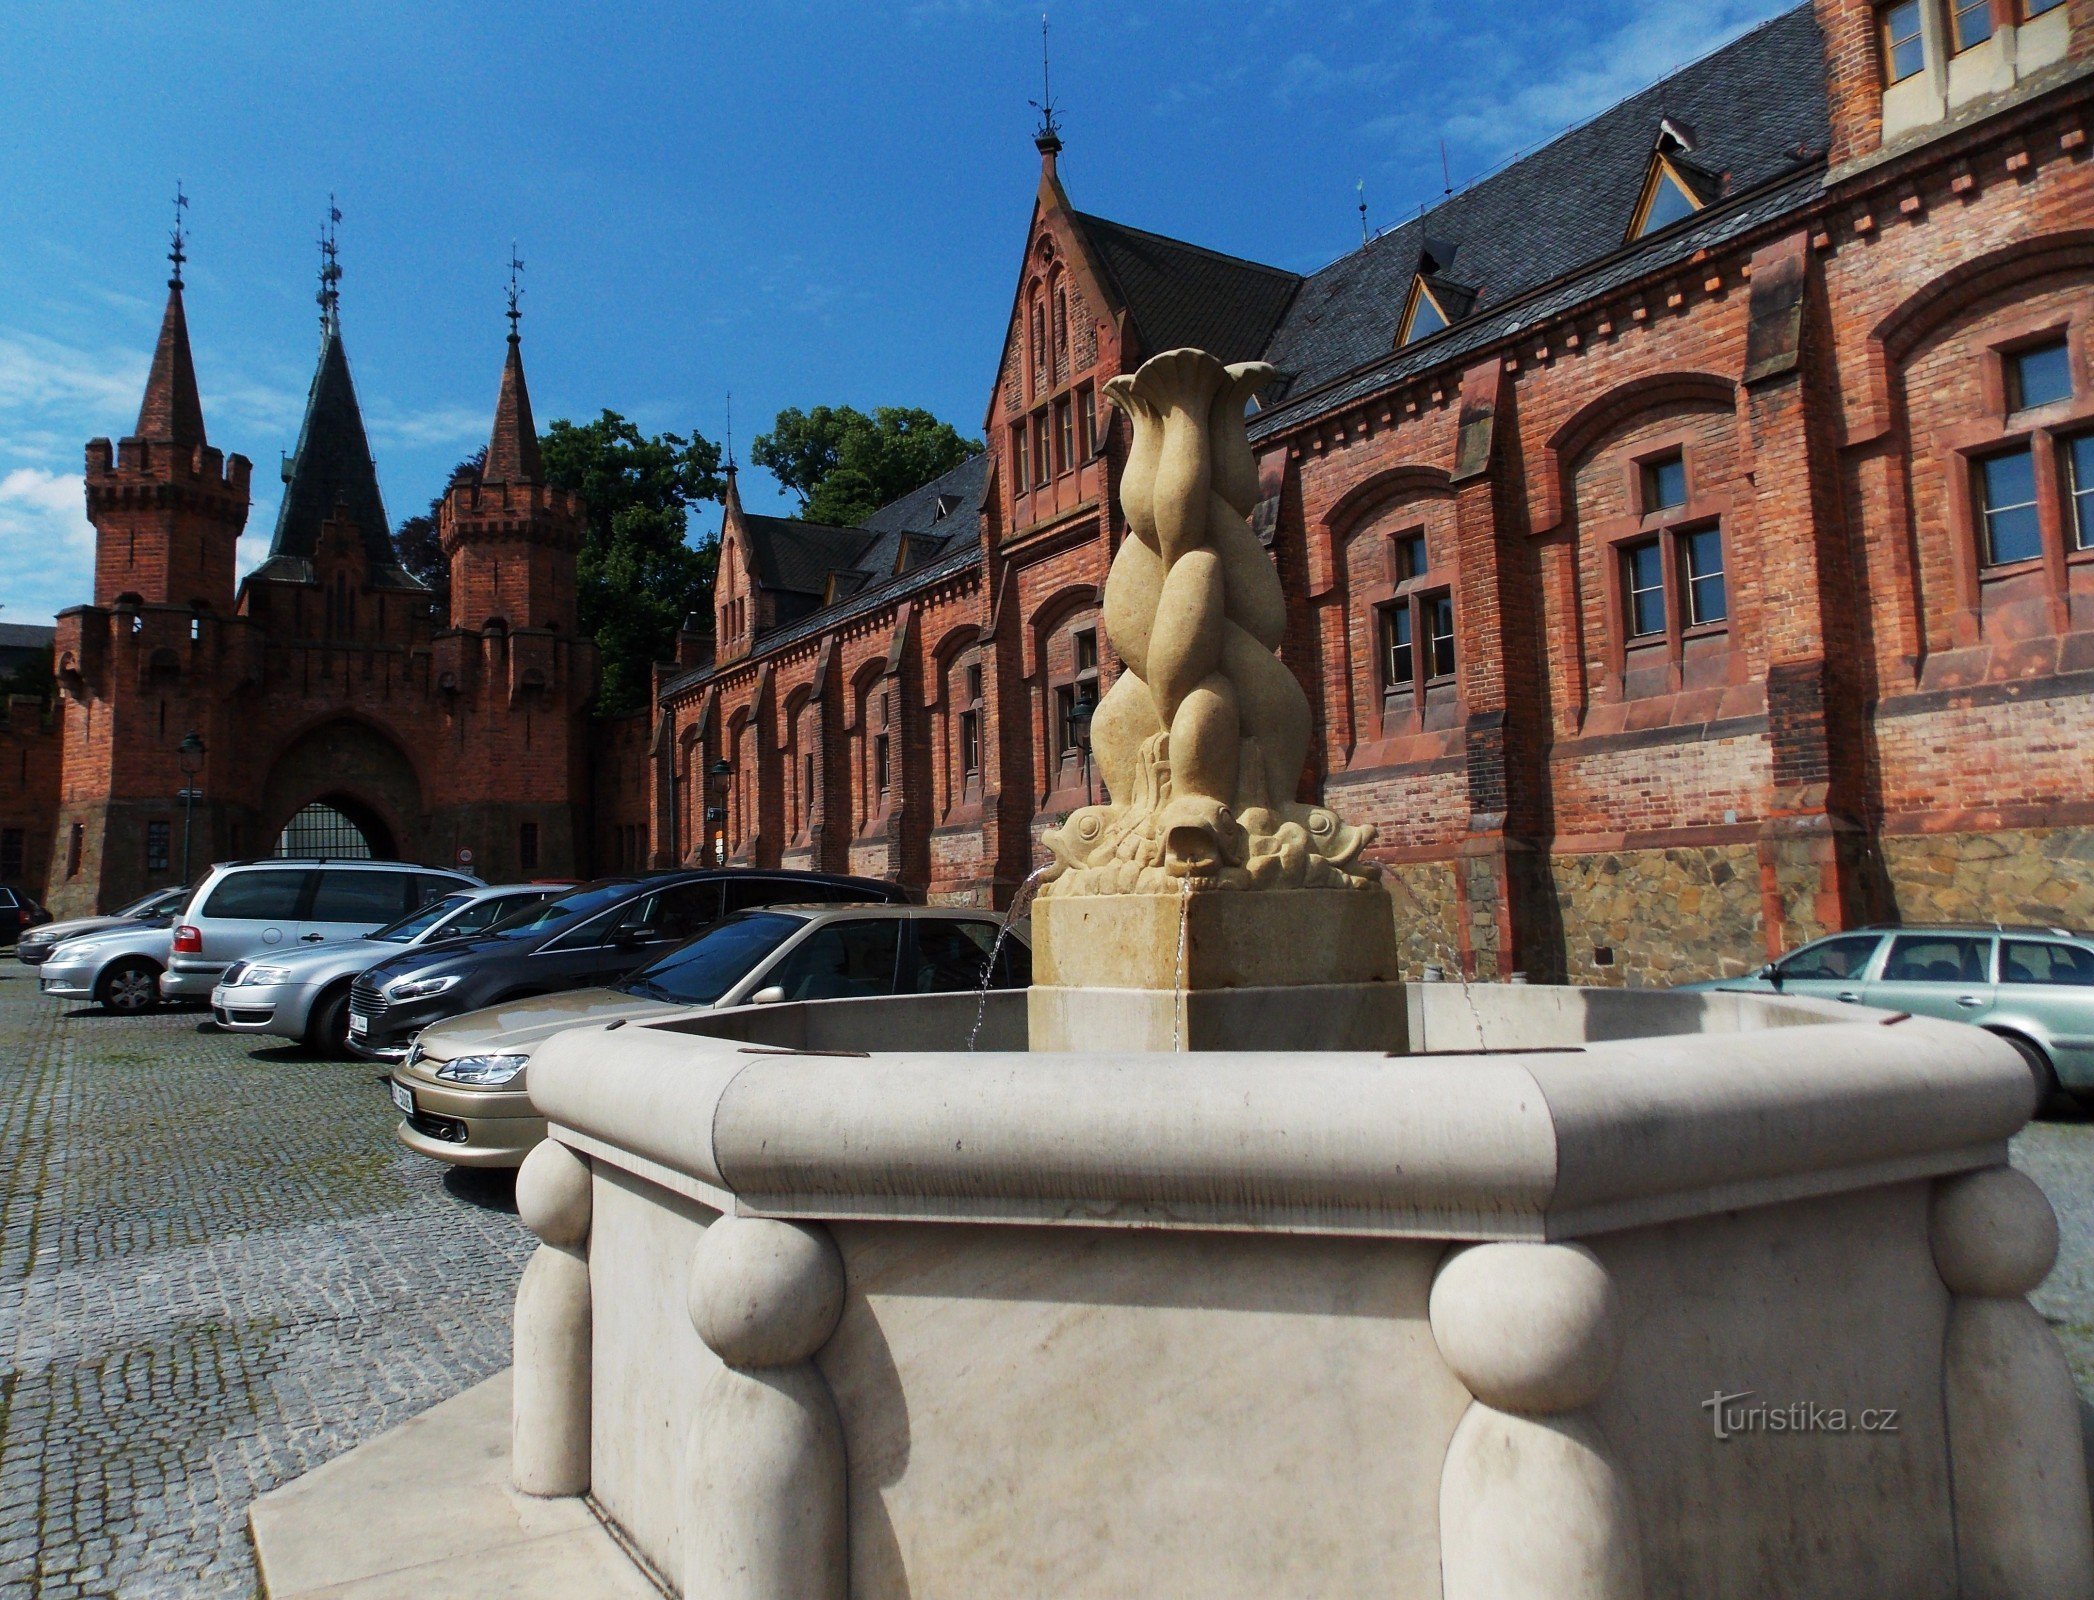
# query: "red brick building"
322,687
1689,530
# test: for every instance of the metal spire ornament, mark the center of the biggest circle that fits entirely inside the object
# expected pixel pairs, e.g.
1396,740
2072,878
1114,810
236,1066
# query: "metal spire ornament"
330,295
515,292
178,238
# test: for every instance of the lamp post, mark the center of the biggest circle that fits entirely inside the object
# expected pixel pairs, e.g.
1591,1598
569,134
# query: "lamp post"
1080,715
722,774
191,754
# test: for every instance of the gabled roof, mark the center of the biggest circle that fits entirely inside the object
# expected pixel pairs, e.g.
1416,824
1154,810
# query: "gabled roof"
797,557
332,476
1757,107
800,557
1179,294
171,410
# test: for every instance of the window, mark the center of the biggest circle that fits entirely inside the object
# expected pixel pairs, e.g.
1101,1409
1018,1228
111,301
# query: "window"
974,682
1087,422
2034,961
260,896
527,846
13,847
75,845
841,961
970,743
1039,345
1666,200
158,836
1065,740
2036,8
1938,958
1086,651
1041,470
2007,501
2079,489
1664,484
1643,581
1064,437
1439,634
364,897
1702,551
1904,47
880,764
2038,376
950,955
807,792
1973,22
1833,959
1061,323
1019,481
1423,317
1410,557
1398,666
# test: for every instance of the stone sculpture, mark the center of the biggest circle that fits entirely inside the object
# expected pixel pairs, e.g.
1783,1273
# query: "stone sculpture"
1202,738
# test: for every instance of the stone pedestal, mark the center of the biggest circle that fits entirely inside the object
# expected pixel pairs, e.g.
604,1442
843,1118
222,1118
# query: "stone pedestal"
1220,969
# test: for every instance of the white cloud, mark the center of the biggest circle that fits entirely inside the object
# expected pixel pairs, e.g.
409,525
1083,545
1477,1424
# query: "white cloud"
453,424
46,543
41,376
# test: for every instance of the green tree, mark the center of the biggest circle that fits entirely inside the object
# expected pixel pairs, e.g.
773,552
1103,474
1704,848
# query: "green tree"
844,465
33,677
639,578
418,541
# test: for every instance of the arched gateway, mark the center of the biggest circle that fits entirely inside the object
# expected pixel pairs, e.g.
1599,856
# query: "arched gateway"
342,789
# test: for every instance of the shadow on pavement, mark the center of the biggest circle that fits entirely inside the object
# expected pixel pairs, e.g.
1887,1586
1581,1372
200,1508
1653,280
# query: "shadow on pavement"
491,1190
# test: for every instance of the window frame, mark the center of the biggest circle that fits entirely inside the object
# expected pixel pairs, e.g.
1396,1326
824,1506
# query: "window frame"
1421,589
1887,43
1706,508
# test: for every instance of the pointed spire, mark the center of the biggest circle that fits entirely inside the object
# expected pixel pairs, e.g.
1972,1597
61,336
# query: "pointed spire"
332,475
512,450
172,412
1047,138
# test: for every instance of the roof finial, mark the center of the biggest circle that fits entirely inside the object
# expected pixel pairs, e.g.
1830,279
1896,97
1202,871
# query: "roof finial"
1446,176
1361,186
515,290
1049,135
330,295
178,238
730,430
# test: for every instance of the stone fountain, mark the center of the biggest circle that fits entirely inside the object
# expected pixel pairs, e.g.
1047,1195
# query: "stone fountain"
1232,1266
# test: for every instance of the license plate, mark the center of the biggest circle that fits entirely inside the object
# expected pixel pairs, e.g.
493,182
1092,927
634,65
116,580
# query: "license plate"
358,1025
402,1098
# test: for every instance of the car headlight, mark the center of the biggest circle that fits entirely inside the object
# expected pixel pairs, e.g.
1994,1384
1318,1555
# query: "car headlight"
419,988
265,975
483,1070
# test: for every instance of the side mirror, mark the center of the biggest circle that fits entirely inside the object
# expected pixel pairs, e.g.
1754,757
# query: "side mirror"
633,938
774,995
1771,973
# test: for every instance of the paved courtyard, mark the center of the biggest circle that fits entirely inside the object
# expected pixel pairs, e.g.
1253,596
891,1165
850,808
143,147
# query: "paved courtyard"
217,1270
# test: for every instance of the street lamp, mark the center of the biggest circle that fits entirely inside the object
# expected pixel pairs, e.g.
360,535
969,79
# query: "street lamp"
191,754
1080,715
722,774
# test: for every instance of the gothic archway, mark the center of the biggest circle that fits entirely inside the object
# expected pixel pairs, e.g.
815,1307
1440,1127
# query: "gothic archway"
346,785
336,825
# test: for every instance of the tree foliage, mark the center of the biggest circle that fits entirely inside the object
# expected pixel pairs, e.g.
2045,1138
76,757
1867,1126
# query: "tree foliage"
638,576
33,677
844,465
418,542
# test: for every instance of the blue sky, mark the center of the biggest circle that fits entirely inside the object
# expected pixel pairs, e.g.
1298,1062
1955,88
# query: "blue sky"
800,203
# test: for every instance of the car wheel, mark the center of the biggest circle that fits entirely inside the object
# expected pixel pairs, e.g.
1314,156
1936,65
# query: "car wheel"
327,1030
2049,1098
129,987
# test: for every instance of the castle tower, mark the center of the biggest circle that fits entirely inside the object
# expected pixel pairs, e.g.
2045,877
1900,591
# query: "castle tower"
512,540
137,668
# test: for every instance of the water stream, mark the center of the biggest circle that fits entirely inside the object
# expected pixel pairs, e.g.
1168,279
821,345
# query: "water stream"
1019,900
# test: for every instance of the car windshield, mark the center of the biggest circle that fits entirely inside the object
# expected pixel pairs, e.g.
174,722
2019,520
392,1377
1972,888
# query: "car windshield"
563,910
415,923
698,973
158,903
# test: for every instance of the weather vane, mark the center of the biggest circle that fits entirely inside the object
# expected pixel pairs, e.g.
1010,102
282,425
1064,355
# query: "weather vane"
1050,124
178,238
730,429
515,289
330,267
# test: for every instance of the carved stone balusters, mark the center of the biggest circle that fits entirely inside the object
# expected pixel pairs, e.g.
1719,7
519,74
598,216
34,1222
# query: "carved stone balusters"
1532,1505
765,1464
549,1416
2016,1470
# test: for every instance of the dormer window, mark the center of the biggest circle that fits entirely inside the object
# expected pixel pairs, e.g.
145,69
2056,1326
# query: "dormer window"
1668,197
1423,315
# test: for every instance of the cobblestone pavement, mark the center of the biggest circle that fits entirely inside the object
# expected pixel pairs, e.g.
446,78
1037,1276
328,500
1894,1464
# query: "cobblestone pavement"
217,1270
2059,1155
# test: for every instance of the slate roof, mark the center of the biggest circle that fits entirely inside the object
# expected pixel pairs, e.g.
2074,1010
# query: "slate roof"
333,468
1758,113
797,556
1179,294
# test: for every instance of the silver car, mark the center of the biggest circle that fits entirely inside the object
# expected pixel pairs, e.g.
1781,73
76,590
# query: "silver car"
118,969
304,993
37,944
2034,987
252,908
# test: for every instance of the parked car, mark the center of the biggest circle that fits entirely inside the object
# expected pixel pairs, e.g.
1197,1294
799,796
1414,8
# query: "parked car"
118,968
159,907
461,1090
245,908
2034,987
591,936
304,994
18,914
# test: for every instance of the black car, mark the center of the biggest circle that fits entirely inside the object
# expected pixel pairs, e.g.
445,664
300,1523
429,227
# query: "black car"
586,938
18,914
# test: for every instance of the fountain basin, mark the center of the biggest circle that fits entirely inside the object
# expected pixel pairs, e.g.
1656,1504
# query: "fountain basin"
913,1322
